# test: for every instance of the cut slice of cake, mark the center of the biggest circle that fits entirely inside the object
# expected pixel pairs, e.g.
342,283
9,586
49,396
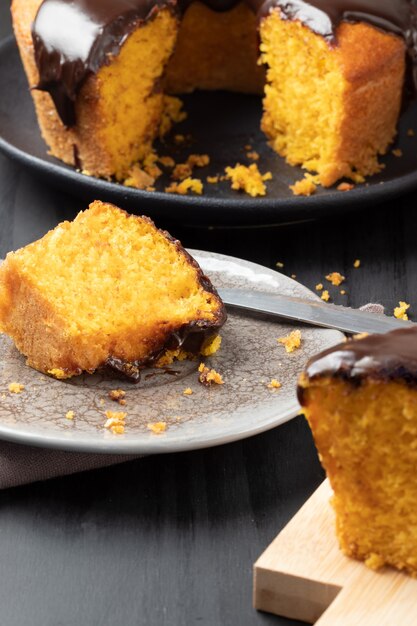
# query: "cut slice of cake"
108,289
331,107
360,399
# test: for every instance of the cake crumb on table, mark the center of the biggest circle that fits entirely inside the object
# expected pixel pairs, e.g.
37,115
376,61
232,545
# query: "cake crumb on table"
115,422
319,287
189,184
410,132
209,376
253,155
70,415
213,179
292,341
325,295
158,428
335,278
248,179
16,388
342,292
400,312
397,152
357,264
188,391
279,264
274,384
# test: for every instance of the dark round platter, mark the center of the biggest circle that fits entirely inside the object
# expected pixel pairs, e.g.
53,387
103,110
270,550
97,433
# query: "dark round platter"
220,124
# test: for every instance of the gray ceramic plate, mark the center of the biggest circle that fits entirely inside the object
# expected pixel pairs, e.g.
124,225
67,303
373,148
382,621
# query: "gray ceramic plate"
249,358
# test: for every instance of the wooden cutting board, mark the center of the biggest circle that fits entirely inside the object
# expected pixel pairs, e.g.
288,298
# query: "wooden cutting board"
303,575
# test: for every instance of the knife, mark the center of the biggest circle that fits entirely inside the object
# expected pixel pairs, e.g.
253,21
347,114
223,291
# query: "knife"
314,312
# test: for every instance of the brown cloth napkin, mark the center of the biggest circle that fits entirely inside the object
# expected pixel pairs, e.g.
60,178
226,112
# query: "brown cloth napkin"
20,465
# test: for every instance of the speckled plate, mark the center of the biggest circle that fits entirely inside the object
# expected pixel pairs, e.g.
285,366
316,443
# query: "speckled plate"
243,406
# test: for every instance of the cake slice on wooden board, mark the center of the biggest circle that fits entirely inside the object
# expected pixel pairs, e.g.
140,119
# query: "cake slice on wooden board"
360,399
107,290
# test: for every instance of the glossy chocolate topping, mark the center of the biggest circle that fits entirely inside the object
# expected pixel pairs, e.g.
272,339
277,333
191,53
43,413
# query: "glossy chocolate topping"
74,38
389,356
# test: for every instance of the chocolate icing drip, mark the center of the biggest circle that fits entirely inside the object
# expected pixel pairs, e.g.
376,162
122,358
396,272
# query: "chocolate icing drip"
389,356
74,38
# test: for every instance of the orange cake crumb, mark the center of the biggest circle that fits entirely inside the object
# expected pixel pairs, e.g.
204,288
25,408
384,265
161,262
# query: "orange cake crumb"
374,561
345,187
138,178
213,179
172,114
274,384
70,415
16,388
157,427
179,139
357,263
335,278
198,160
181,171
342,292
319,287
248,179
209,376
188,391
397,152
166,161
170,356
400,311
118,395
325,295
307,186
189,184
253,155
212,346
292,341
115,422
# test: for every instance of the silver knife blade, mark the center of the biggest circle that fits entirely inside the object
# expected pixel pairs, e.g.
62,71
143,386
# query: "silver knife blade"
314,312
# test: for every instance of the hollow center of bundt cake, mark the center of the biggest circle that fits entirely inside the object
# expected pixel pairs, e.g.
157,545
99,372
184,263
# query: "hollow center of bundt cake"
106,272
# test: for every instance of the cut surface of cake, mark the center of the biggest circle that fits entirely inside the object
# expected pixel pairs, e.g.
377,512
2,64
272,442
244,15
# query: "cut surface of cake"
360,399
335,74
107,290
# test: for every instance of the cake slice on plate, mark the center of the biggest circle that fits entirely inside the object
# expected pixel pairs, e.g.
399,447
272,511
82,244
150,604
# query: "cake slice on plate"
107,290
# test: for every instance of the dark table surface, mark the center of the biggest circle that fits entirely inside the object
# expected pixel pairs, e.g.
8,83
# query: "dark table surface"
171,540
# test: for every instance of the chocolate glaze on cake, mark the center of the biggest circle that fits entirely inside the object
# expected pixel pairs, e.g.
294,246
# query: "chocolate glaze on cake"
389,356
74,38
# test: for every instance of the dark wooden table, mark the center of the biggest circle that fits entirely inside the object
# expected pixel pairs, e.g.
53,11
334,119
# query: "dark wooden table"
171,540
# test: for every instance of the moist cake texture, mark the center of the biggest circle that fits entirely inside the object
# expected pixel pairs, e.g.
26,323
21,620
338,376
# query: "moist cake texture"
106,290
360,399
335,74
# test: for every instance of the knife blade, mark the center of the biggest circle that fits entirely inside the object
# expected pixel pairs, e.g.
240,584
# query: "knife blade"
314,312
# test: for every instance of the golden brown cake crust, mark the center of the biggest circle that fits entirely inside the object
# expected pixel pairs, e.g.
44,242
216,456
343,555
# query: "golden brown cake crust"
108,289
